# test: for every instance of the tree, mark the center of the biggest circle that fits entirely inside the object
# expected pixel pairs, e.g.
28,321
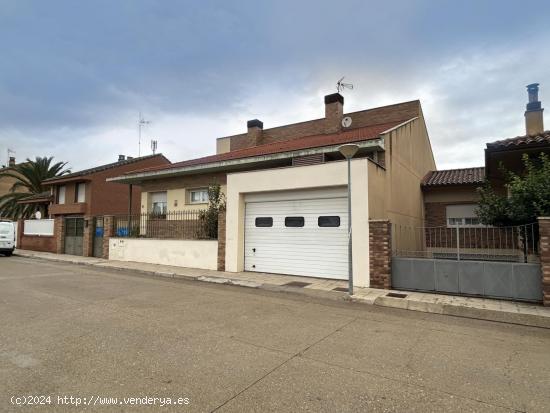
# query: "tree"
209,217
29,177
528,195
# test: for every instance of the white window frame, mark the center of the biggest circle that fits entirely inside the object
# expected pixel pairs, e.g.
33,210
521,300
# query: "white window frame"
159,207
81,187
62,194
203,197
458,218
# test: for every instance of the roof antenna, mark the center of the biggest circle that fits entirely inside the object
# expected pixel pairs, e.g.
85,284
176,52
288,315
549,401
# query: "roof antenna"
340,85
141,122
154,144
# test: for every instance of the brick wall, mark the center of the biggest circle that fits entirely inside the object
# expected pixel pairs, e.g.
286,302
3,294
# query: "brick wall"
88,238
385,114
59,234
221,241
544,231
37,243
380,253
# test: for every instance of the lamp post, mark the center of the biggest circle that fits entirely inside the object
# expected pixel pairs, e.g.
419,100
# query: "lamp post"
348,151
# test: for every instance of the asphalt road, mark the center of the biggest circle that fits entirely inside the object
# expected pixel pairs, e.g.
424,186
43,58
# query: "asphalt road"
93,334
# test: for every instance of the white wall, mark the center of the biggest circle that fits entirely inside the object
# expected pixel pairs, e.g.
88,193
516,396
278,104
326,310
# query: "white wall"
180,253
38,227
328,175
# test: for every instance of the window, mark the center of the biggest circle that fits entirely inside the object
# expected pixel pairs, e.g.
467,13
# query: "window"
462,215
294,222
159,203
328,221
264,222
61,194
81,192
198,196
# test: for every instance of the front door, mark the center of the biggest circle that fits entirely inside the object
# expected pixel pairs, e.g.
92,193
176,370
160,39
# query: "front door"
74,235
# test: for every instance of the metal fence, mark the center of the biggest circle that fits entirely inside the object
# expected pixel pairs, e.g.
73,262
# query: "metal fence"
168,225
507,244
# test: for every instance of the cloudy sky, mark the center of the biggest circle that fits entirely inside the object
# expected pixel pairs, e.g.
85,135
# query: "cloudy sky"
74,75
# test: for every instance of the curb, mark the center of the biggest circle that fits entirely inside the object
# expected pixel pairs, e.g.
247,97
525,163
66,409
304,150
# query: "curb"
530,320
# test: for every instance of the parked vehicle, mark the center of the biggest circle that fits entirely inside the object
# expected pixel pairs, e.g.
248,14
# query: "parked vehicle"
7,238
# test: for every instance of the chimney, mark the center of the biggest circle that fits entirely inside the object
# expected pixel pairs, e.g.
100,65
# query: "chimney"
334,111
534,124
121,158
11,162
255,129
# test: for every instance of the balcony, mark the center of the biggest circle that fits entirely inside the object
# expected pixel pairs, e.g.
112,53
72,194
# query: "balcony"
66,209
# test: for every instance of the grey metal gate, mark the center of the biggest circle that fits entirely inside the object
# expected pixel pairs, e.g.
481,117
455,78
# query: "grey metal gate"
98,237
74,235
495,262
509,280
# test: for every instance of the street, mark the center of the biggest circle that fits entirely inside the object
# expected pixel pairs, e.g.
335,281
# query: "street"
100,335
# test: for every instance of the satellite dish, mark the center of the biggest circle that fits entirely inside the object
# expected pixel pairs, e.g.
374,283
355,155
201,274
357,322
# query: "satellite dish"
38,215
346,122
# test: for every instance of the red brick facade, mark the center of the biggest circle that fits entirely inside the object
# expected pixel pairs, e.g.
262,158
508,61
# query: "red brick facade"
34,242
544,230
329,124
380,253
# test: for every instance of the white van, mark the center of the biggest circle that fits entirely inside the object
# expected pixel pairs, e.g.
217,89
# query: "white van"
7,238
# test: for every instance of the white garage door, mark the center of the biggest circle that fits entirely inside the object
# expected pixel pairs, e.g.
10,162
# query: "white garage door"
296,236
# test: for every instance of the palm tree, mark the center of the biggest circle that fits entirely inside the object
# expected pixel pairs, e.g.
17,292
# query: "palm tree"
29,177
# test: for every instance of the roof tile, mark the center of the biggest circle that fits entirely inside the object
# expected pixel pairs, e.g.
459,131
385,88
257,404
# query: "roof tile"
315,141
465,176
525,140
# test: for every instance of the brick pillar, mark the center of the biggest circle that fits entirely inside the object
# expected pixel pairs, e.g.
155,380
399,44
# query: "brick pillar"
108,232
221,241
59,233
88,239
544,249
380,253
20,230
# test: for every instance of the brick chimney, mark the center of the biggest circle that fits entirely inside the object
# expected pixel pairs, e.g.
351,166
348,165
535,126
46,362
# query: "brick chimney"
255,131
334,111
11,162
534,124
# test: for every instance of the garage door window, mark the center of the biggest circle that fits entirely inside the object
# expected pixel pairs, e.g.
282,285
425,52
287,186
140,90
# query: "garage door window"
329,221
264,222
294,222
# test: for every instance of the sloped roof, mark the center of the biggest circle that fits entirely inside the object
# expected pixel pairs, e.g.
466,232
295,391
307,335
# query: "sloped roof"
542,139
314,141
100,168
464,176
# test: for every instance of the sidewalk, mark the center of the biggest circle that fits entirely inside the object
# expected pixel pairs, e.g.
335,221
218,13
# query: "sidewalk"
479,308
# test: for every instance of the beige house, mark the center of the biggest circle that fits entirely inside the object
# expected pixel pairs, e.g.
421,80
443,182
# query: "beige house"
286,188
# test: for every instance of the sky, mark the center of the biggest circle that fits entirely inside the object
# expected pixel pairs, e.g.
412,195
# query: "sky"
74,75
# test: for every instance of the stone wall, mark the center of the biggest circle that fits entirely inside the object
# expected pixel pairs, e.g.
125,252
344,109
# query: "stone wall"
380,253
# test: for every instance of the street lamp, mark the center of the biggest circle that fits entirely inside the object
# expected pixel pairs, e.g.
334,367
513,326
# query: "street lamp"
348,151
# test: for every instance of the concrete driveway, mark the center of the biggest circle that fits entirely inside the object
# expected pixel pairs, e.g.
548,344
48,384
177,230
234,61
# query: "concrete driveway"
101,336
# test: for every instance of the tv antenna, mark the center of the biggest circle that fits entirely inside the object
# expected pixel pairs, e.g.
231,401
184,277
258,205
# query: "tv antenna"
154,144
340,85
141,123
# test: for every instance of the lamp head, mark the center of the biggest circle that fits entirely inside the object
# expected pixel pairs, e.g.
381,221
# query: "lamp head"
348,150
